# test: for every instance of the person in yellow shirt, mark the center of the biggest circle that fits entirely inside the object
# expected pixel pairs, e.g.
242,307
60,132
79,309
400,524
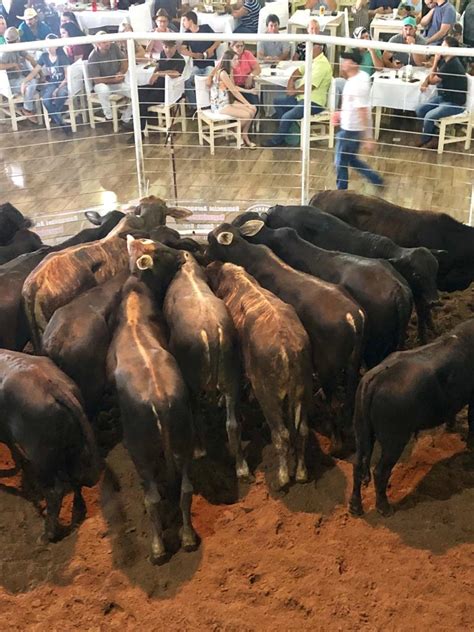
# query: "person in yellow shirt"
291,107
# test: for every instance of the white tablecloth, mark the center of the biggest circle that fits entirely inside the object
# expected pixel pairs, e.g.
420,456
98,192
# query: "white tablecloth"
99,19
219,23
278,76
397,94
387,26
300,19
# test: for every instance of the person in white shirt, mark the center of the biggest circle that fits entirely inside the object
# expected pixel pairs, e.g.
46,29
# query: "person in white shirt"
355,122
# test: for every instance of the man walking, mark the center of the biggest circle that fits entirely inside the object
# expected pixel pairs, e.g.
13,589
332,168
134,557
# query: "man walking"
355,121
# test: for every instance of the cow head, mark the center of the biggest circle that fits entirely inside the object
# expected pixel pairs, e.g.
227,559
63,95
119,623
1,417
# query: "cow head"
154,212
224,242
11,221
420,268
154,263
248,216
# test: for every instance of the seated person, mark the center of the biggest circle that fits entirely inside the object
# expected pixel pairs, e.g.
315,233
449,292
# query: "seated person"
315,5
438,22
3,28
155,47
76,51
409,9
69,16
18,66
313,28
407,36
107,66
371,58
170,7
171,64
382,7
273,51
449,75
223,88
31,29
203,54
140,53
291,107
246,11
244,70
468,17
52,66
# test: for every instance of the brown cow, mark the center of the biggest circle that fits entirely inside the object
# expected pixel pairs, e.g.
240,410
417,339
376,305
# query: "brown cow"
62,276
277,359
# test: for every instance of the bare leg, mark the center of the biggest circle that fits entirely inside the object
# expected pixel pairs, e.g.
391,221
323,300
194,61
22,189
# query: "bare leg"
383,470
54,496
188,535
234,434
301,426
152,502
246,113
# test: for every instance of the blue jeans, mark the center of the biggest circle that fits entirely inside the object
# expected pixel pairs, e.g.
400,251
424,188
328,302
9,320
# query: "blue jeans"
347,148
54,105
244,29
189,85
288,110
433,111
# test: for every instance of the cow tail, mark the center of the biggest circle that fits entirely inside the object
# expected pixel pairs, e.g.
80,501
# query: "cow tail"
70,402
363,428
353,371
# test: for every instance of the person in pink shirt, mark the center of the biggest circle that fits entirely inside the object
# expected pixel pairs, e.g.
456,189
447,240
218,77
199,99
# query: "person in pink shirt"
245,69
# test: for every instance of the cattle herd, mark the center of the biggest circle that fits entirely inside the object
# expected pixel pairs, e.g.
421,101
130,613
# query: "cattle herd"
287,301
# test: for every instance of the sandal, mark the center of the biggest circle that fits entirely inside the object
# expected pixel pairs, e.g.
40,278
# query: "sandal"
251,145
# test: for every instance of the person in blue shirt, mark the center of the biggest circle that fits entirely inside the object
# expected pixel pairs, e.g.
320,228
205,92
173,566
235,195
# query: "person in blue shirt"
438,22
247,13
381,7
32,29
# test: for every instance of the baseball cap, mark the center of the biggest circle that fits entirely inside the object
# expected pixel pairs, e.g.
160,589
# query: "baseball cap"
409,21
353,55
30,13
101,33
359,31
51,36
12,35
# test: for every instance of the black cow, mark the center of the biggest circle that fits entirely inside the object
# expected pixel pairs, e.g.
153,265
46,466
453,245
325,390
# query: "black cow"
409,228
417,265
78,335
381,292
408,392
155,410
11,221
202,336
23,241
44,425
277,358
332,319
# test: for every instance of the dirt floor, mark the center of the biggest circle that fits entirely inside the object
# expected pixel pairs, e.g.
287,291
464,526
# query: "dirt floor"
267,561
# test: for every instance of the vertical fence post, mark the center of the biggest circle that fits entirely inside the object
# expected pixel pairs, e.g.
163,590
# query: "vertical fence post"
132,73
305,127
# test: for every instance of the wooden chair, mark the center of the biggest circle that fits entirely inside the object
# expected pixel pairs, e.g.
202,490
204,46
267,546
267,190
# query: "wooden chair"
463,121
75,87
96,115
9,102
320,125
219,125
173,107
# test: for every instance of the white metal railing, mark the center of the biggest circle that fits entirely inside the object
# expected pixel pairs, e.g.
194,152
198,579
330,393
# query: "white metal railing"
304,159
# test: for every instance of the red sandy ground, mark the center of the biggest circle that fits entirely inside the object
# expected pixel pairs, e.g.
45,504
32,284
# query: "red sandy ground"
294,561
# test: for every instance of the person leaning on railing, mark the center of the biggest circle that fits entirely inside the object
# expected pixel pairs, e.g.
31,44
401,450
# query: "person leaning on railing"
449,75
107,66
18,66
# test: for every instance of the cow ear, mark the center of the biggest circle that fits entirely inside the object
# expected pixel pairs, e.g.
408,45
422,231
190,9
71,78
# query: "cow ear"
252,227
439,254
178,212
225,238
130,240
93,217
145,262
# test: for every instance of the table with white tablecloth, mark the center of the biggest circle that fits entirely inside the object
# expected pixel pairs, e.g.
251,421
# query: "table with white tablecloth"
100,19
272,82
385,25
389,91
329,23
219,23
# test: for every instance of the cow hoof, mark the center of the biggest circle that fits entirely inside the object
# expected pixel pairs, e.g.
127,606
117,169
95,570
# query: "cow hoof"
158,559
301,475
189,540
355,507
385,509
242,471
